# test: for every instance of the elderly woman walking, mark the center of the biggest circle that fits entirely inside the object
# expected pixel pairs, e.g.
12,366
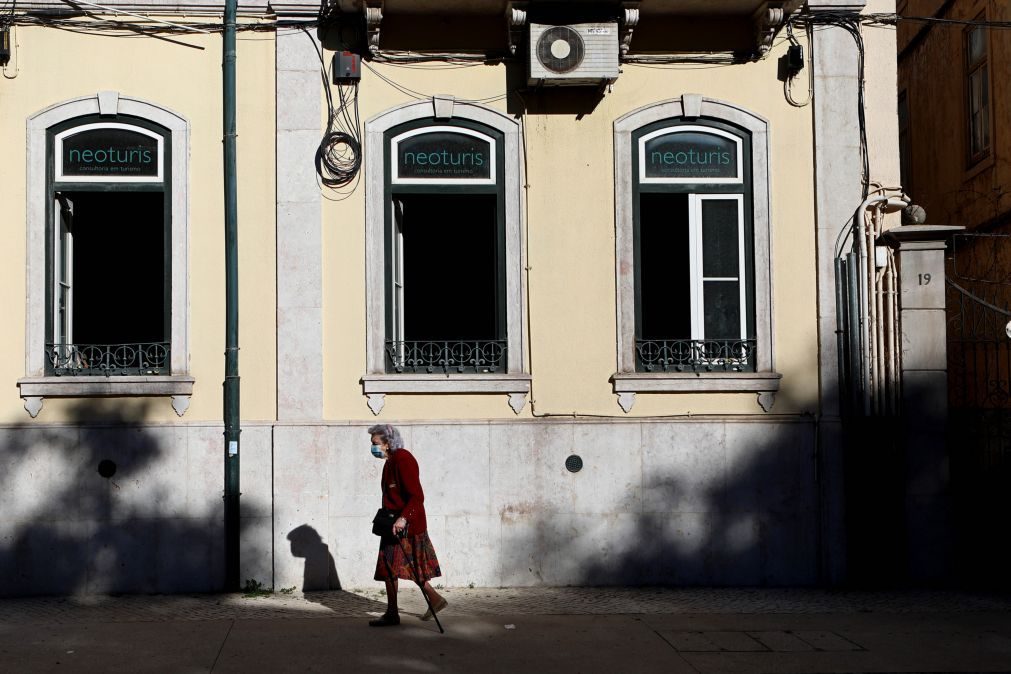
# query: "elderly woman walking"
407,552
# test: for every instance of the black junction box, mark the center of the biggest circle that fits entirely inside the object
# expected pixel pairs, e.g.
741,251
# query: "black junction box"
5,46
347,67
795,59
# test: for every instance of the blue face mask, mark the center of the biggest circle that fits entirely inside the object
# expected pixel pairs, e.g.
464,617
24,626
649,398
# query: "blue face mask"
377,451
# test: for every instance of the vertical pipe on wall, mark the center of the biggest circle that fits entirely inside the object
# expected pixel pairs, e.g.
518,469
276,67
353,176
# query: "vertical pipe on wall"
891,330
853,330
231,383
842,335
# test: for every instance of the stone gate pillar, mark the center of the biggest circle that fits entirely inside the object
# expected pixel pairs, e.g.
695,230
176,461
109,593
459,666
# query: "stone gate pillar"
835,96
924,413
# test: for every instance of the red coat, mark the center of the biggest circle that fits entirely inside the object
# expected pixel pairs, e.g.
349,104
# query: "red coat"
402,490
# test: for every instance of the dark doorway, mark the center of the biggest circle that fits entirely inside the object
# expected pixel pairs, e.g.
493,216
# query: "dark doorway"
451,259
119,270
664,272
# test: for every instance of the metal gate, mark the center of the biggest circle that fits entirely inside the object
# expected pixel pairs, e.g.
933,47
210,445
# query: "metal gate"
979,400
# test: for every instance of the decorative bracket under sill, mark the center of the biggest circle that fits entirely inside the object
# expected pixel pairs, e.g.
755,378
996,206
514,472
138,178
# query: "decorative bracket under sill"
34,390
377,386
33,405
626,400
376,402
517,401
627,384
180,404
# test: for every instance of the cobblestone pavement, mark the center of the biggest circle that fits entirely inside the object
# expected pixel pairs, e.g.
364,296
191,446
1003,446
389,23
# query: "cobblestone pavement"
491,601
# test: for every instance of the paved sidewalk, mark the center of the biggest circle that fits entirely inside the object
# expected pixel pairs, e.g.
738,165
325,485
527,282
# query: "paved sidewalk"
507,630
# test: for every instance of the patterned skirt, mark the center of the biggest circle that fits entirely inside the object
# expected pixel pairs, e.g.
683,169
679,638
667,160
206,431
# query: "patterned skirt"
419,560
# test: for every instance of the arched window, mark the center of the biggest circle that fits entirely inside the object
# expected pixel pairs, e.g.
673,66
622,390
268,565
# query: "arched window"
109,278
107,252
443,257
694,287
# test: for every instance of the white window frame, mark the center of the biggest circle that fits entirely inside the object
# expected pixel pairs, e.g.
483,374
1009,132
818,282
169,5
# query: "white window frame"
376,382
627,382
397,222
36,385
63,269
698,277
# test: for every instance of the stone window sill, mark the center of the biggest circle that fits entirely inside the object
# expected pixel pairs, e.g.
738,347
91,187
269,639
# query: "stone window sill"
35,389
627,384
376,386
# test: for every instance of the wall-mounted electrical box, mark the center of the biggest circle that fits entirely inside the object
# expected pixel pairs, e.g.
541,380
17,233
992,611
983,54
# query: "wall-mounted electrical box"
347,67
794,59
5,46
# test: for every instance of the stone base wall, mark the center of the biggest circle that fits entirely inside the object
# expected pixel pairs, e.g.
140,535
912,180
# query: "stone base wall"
686,502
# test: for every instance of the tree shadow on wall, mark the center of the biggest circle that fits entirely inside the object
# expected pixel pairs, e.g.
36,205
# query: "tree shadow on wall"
755,526
753,520
106,503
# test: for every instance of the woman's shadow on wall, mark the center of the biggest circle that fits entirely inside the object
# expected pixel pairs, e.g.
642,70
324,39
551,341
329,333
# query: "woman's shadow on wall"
320,571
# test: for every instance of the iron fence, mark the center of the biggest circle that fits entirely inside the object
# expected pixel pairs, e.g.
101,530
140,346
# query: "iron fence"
103,360
695,355
978,297
446,356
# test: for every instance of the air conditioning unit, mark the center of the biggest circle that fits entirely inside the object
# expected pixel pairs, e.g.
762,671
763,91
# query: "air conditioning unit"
576,54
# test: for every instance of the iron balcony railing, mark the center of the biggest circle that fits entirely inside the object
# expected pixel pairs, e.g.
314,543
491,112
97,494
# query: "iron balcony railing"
103,360
695,355
446,356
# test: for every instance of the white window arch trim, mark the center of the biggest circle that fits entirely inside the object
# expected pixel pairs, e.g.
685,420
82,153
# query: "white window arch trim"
35,385
515,381
627,382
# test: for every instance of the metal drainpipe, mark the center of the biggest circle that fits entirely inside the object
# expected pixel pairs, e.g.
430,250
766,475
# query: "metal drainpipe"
231,384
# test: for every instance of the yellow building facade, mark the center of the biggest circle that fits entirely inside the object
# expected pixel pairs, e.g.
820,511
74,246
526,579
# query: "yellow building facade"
596,311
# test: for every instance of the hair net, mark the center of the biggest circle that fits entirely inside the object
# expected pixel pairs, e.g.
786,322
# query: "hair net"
389,434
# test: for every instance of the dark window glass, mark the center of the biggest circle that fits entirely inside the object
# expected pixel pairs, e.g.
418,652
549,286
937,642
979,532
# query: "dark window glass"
978,90
119,267
720,249
691,154
110,152
664,267
442,155
450,267
722,309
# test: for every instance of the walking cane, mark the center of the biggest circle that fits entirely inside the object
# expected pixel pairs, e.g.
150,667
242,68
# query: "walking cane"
417,578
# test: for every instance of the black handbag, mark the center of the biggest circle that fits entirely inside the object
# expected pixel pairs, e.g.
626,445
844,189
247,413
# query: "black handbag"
382,523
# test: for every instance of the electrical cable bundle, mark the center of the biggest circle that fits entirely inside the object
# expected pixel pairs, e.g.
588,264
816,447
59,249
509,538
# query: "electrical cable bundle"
850,22
339,156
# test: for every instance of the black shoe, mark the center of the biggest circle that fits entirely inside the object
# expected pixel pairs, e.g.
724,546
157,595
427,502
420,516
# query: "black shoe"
386,620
